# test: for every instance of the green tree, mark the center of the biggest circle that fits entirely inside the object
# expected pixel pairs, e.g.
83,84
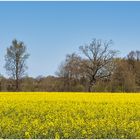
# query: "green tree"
16,61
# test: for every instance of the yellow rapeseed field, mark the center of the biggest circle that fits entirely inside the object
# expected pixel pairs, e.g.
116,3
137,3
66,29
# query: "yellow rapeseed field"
69,115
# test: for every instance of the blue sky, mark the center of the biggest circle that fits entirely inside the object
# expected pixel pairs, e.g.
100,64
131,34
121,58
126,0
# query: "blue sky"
50,30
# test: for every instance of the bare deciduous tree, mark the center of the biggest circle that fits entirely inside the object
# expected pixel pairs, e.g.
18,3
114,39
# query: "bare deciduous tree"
71,71
99,60
15,61
134,55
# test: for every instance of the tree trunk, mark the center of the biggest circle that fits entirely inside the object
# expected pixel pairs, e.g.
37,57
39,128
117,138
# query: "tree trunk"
17,73
91,82
17,84
89,88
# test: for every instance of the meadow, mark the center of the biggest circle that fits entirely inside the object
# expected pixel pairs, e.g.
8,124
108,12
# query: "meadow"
69,115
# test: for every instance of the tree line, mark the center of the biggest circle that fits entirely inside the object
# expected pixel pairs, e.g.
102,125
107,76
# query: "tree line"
97,69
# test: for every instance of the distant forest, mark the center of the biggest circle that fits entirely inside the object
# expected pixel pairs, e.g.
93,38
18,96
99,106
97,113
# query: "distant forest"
98,69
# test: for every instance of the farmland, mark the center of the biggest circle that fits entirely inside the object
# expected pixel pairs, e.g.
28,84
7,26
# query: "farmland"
69,115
